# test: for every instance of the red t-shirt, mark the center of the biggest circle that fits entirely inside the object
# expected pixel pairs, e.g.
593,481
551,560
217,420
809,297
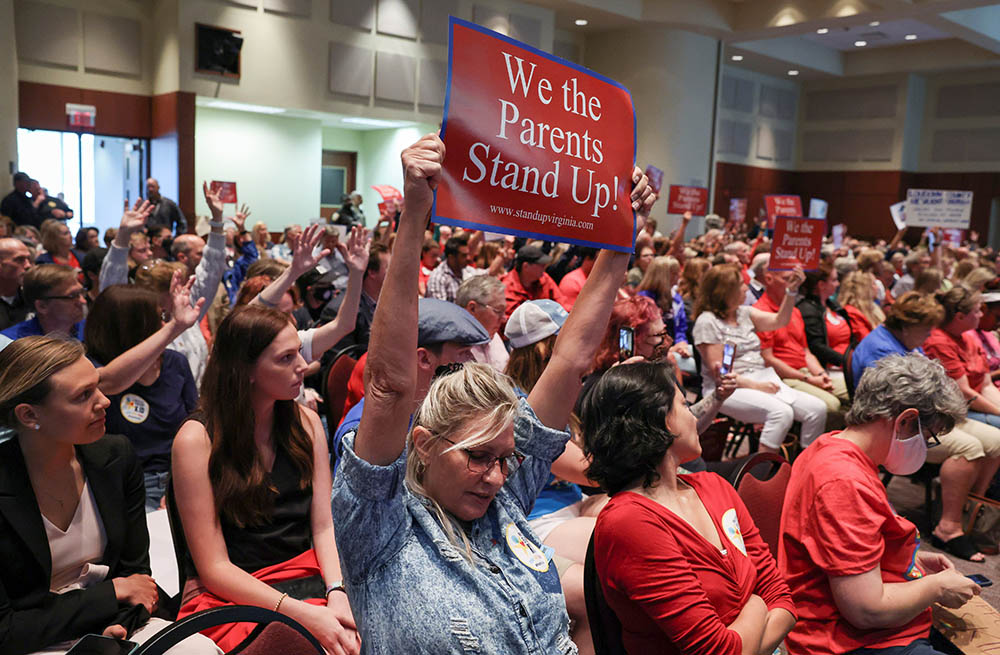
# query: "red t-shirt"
673,591
859,322
517,294
959,356
789,342
355,385
572,284
837,521
838,331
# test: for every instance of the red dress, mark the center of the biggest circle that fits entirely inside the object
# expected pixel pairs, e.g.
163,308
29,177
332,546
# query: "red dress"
837,521
673,591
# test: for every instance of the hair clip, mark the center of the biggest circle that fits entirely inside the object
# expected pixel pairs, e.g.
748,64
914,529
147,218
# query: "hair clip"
447,369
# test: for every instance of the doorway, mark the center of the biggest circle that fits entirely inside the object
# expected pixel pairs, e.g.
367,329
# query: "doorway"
338,177
96,175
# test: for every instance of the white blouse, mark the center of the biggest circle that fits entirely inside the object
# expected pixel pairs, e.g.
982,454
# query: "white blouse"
77,551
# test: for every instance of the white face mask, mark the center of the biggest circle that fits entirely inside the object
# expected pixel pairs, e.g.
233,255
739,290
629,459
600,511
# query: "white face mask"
906,456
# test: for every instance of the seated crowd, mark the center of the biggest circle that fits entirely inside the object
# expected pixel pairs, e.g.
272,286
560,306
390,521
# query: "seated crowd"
497,436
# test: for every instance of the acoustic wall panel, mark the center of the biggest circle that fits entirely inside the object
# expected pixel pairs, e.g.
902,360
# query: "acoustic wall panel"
972,145
434,19
112,44
290,7
433,82
491,18
350,69
35,23
527,29
398,17
737,94
851,104
566,50
355,13
847,145
734,138
968,100
783,140
246,3
395,77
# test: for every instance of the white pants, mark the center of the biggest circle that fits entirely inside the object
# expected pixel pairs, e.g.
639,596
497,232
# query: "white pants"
752,406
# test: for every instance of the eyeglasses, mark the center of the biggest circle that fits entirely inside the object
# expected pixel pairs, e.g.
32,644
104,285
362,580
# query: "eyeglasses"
932,439
481,462
499,311
75,295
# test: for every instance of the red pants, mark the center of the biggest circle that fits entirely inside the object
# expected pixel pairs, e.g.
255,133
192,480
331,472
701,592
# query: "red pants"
229,635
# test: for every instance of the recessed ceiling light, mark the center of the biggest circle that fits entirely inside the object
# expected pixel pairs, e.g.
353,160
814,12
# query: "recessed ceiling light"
374,122
737,57
793,73
860,44
910,37
822,30
581,22
874,23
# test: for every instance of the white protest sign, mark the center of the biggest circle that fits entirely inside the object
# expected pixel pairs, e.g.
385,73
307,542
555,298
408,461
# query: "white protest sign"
937,208
838,234
817,208
898,212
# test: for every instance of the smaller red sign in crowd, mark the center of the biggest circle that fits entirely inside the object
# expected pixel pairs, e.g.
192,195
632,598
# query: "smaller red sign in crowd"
692,199
782,206
797,242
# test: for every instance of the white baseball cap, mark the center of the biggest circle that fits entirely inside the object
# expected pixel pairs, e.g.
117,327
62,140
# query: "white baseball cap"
534,320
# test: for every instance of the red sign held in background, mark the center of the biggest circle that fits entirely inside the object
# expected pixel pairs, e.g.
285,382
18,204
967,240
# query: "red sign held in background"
782,206
737,209
692,199
797,241
537,146
226,191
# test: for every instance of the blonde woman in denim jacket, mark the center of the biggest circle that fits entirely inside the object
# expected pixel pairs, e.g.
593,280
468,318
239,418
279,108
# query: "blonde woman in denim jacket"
431,520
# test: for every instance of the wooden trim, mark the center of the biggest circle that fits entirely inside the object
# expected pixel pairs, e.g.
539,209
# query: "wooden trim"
43,107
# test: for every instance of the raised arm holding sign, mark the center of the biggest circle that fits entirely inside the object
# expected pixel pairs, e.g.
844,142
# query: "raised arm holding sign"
539,146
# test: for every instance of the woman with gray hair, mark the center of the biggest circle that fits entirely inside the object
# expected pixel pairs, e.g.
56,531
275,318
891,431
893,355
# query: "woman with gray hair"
858,578
431,519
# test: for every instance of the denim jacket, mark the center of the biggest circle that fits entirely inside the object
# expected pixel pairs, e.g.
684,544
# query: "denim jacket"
412,591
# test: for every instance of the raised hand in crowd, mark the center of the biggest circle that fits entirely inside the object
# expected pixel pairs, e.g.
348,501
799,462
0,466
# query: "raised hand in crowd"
184,313
240,218
355,251
133,220
213,197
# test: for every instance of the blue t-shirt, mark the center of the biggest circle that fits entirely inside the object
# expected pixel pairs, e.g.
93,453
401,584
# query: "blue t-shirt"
150,416
879,343
33,328
348,424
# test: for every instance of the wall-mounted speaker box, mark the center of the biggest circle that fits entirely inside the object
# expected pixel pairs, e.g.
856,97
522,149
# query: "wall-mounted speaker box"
217,50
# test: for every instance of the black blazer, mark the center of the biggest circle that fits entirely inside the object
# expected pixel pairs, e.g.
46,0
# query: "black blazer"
813,315
31,617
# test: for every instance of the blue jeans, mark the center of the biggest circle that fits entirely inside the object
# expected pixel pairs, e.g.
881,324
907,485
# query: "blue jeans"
989,419
918,647
156,489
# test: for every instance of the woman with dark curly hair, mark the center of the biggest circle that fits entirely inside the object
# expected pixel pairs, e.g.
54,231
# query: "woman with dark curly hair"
679,558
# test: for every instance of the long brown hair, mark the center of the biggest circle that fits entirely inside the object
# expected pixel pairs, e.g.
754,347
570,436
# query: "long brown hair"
691,277
239,479
122,317
716,289
526,363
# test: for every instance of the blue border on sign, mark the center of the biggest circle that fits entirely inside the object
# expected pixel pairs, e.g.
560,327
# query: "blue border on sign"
808,218
452,21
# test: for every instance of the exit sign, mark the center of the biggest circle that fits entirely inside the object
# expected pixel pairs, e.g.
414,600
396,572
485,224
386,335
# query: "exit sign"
81,115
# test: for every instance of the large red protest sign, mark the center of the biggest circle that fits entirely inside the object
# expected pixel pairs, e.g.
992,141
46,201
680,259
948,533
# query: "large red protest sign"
226,191
797,242
692,199
782,206
536,145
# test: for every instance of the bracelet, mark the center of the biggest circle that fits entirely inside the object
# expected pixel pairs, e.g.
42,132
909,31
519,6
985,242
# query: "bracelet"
278,604
216,223
336,586
267,303
791,292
